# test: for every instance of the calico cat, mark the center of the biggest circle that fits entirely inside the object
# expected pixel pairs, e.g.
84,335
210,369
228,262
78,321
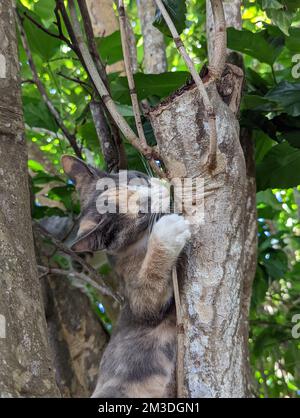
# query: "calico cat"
139,360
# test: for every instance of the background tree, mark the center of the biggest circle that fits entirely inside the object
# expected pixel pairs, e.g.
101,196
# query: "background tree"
269,115
25,363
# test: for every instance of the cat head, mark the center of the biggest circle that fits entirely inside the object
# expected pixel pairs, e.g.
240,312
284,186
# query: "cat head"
114,207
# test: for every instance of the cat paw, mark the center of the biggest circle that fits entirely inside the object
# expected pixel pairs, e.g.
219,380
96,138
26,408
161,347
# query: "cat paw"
173,231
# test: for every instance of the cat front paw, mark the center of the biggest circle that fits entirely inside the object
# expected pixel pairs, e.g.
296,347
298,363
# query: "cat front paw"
173,231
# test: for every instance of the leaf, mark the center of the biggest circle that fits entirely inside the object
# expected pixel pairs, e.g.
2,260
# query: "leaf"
147,85
35,166
45,10
292,41
260,287
281,18
110,48
276,264
259,45
263,144
43,178
279,168
64,194
36,114
271,4
287,96
40,212
255,102
177,11
40,42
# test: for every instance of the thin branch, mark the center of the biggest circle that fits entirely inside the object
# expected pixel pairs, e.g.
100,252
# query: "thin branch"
85,85
147,151
59,35
216,67
206,101
129,74
91,41
72,273
109,130
92,272
131,84
180,337
44,131
70,136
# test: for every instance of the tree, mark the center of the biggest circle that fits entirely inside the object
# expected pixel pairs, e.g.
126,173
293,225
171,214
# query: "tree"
70,66
26,366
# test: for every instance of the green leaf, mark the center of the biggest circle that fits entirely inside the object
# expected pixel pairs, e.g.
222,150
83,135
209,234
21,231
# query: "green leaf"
110,48
147,85
35,166
40,212
36,114
287,96
40,42
293,138
271,4
259,45
279,168
276,263
255,102
64,194
292,41
43,178
177,11
45,10
281,18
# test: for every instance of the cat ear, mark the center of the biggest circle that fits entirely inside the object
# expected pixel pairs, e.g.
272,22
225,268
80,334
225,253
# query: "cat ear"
87,239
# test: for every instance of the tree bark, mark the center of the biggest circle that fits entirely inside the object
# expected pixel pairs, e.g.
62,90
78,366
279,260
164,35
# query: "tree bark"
212,269
155,60
77,338
25,365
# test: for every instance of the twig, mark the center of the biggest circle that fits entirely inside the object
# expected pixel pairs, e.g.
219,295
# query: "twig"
85,85
70,136
109,130
92,272
60,35
107,145
44,131
71,273
91,41
129,73
206,101
131,84
216,67
147,151
180,337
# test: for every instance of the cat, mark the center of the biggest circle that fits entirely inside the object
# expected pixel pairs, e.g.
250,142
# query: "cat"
139,360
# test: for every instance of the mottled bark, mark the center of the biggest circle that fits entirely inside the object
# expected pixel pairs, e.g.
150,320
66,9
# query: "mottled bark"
25,365
212,269
155,61
232,9
77,338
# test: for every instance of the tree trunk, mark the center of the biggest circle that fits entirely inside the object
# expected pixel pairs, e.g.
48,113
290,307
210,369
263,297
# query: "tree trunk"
25,365
217,268
212,269
155,60
77,338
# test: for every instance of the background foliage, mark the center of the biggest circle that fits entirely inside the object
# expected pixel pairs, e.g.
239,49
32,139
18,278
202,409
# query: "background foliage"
270,109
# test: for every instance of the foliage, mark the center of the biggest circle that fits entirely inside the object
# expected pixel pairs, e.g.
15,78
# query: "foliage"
269,41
